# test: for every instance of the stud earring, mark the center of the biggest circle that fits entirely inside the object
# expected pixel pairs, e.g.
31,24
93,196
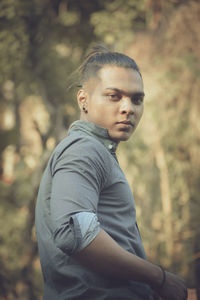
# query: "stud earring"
84,109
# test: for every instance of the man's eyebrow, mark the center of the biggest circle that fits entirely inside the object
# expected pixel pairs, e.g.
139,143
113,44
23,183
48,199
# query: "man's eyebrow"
126,93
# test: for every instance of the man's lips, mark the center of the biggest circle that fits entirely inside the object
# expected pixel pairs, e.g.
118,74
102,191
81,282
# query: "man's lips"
126,123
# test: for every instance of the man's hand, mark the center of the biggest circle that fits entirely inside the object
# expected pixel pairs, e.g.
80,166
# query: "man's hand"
103,255
174,288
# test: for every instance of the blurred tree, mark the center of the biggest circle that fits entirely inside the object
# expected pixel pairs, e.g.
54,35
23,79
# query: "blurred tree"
170,59
41,44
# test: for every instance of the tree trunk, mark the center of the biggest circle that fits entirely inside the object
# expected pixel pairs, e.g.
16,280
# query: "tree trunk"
165,195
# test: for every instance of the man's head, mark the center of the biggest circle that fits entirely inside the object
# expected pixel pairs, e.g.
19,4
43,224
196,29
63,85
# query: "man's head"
112,92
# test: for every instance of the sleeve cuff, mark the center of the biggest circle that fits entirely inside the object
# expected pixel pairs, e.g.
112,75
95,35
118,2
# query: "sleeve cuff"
87,224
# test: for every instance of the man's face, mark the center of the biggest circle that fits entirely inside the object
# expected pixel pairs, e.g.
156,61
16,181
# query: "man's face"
114,100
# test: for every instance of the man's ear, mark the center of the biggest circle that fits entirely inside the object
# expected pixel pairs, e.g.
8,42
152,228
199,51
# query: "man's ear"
82,99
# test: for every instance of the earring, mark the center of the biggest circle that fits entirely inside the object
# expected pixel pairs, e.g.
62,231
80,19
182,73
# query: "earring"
84,109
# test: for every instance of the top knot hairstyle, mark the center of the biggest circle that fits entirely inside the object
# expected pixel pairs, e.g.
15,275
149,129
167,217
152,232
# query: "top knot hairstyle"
98,57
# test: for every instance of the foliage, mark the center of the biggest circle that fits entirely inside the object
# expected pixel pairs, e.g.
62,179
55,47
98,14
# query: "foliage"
41,44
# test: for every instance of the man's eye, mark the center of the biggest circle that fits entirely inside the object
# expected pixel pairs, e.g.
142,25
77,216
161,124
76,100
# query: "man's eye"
137,99
114,97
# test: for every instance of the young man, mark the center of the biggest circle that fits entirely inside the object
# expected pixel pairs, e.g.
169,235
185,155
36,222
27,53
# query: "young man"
88,238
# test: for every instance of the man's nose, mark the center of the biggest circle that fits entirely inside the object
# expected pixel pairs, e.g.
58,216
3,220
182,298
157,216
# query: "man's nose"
127,106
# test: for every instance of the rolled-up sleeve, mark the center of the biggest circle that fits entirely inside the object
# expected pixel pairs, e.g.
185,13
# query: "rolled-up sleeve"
78,175
77,233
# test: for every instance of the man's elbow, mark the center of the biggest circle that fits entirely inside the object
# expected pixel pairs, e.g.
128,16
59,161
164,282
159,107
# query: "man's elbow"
76,233
65,238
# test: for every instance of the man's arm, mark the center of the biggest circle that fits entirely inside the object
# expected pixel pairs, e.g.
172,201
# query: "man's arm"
105,256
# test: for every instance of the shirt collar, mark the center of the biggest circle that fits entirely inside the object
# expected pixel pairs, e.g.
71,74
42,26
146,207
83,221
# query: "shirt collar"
100,133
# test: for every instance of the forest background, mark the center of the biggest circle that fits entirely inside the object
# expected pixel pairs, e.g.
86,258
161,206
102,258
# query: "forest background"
41,43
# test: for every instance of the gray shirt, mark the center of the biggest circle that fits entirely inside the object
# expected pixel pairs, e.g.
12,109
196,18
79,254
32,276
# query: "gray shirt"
82,189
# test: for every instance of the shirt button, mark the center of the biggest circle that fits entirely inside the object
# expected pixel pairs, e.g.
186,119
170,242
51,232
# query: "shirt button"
110,146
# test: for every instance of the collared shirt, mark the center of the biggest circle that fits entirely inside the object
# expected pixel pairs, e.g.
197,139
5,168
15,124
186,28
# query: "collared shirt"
83,177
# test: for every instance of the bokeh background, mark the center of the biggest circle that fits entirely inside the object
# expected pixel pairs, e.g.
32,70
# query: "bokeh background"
41,43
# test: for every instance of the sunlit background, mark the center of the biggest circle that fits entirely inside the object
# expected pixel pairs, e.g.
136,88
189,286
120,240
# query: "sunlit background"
41,43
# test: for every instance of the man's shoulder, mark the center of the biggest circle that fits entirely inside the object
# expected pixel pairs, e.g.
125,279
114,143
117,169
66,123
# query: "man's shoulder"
82,146
80,151
79,141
